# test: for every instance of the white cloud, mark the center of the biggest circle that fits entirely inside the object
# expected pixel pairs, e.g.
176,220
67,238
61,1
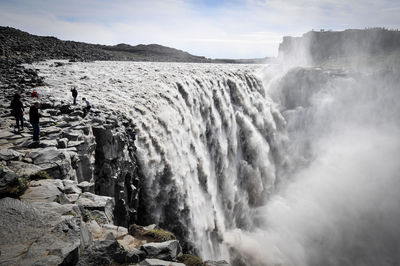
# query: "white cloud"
251,28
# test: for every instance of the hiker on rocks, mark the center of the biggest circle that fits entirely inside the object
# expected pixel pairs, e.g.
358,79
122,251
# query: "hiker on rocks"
74,94
34,116
87,108
34,94
17,110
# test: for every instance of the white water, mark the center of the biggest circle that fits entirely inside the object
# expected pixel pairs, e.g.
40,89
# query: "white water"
300,170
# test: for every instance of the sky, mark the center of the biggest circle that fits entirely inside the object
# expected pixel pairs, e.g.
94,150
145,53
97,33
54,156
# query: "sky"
211,28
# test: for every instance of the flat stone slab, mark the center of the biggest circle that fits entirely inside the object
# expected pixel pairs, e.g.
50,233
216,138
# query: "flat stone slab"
31,236
46,190
22,168
8,155
6,134
47,155
94,202
157,262
62,209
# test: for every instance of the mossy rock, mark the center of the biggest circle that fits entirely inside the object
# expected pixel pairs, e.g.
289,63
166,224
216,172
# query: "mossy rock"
93,216
160,235
190,260
40,175
70,213
19,188
152,235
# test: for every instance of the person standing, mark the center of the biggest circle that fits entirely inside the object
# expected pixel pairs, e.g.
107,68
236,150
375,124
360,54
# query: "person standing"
17,110
34,117
74,94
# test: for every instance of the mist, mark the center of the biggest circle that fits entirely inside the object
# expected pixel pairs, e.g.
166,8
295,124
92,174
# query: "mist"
337,199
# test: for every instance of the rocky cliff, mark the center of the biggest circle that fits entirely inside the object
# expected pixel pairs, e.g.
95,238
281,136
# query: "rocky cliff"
321,46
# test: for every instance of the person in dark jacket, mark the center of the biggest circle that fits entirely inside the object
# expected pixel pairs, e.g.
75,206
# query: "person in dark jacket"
74,94
17,110
34,117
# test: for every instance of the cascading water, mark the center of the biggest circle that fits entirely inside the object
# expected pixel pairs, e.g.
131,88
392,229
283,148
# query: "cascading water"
287,171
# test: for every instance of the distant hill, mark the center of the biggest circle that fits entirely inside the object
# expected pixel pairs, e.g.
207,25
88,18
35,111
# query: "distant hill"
321,46
25,47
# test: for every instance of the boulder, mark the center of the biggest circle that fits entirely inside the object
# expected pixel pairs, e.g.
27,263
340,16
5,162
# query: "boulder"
70,187
62,143
30,236
9,155
8,179
101,253
167,250
157,262
56,162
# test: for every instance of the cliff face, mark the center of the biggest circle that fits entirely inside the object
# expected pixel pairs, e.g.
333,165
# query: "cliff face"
321,46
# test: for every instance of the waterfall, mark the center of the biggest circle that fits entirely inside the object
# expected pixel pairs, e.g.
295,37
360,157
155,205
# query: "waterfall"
206,149
261,165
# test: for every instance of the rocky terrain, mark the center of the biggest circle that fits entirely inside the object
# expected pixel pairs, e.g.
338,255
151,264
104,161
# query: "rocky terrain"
25,47
72,198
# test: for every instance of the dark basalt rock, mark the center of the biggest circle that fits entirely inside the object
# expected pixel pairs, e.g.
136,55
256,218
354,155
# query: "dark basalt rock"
30,236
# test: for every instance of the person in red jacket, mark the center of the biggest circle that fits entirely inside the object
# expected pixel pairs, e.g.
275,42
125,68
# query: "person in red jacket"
34,94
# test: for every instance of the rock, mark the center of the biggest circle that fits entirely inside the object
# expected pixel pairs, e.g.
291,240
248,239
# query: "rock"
48,143
23,168
8,155
36,237
8,179
101,253
167,250
47,155
101,232
216,263
127,242
5,134
94,202
62,143
70,187
72,197
62,209
50,130
73,135
135,255
45,190
86,186
157,262
56,162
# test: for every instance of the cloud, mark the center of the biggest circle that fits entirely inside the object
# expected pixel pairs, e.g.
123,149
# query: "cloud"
235,29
